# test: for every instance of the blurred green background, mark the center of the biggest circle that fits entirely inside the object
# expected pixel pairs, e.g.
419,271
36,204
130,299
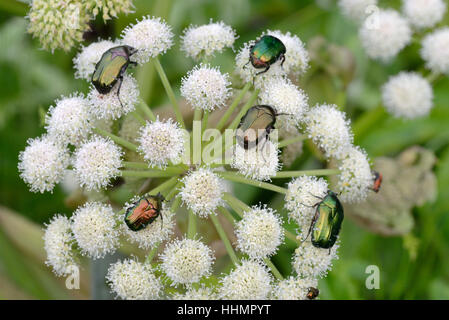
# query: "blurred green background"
412,266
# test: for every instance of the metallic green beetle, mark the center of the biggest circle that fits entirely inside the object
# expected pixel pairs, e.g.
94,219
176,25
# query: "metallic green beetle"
327,221
111,67
312,293
256,125
266,51
143,212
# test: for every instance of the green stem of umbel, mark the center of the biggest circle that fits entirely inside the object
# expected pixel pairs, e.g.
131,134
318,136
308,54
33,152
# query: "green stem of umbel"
116,139
232,107
147,110
236,177
317,172
221,232
170,93
287,142
191,225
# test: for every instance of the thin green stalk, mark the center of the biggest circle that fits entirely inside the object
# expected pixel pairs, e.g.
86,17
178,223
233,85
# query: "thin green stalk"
142,165
224,238
205,120
173,192
176,203
152,253
433,76
191,226
244,109
196,137
273,268
170,93
146,109
225,212
116,139
138,117
232,107
148,174
232,176
164,186
317,172
145,78
286,142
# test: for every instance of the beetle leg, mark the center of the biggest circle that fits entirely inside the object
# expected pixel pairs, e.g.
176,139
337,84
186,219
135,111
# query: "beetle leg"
315,196
315,217
283,60
244,66
263,71
120,79
133,63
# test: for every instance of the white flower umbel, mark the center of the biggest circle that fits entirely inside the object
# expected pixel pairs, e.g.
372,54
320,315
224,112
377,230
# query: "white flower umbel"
249,281
408,95
205,87
96,162
95,229
260,232
357,10
356,178
161,142
248,73
186,261
385,34
108,106
151,37
260,162
132,280
158,231
86,60
435,50
202,293
42,164
58,24
203,41
329,129
58,241
286,98
296,56
424,13
68,122
293,288
109,8
202,191
303,193
313,262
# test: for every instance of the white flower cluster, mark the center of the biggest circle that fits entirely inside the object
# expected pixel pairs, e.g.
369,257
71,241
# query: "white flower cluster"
424,13
161,142
293,288
97,162
199,41
258,163
357,10
95,229
260,232
312,262
132,280
202,191
435,50
186,261
206,88
408,95
151,37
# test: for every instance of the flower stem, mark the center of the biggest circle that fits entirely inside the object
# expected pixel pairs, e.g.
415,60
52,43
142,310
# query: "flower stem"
170,93
138,117
147,110
244,109
232,107
152,253
224,238
148,174
273,268
232,176
227,215
164,186
116,139
196,137
317,172
174,191
191,226
286,142
205,120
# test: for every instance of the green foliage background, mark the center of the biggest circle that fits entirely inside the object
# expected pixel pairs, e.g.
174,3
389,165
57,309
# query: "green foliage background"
31,79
